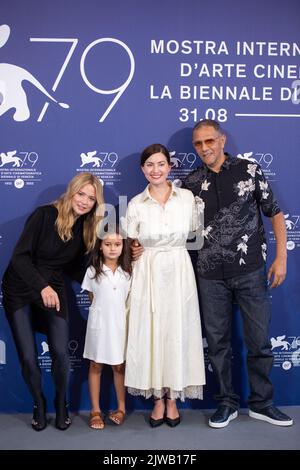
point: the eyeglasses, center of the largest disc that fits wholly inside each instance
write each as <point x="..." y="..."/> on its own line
<point x="207" y="142"/>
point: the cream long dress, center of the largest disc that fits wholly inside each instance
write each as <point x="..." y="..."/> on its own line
<point x="164" y="349"/>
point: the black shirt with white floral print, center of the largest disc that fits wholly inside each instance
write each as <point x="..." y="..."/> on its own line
<point x="233" y="199"/>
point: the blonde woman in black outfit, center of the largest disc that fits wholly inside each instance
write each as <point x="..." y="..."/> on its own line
<point x="53" y="242"/>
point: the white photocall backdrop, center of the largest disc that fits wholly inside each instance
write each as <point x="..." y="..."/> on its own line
<point x="86" y="85"/>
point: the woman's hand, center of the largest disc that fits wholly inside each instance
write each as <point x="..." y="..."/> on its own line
<point x="50" y="298"/>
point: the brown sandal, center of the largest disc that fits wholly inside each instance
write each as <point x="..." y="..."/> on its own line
<point x="117" y="417"/>
<point x="96" y="420"/>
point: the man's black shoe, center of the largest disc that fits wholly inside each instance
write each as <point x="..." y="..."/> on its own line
<point x="222" y="416"/>
<point x="272" y="415"/>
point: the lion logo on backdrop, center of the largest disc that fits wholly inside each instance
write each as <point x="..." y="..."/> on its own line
<point x="2" y="352"/>
<point x="12" y="94"/>
<point x="10" y="157"/>
<point x="90" y="157"/>
<point x="45" y="347"/>
<point x="175" y="162"/>
<point x="289" y="223"/>
<point x="280" y="342"/>
<point x="247" y="156"/>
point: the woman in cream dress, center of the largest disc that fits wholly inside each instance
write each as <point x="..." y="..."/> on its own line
<point x="164" y="352"/>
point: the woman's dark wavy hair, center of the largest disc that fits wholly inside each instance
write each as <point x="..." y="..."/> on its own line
<point x="154" y="148"/>
<point x="97" y="258"/>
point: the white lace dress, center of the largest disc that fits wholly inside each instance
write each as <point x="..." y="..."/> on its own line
<point x="164" y="348"/>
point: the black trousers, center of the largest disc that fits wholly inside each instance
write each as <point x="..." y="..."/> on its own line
<point x="56" y="328"/>
<point x="250" y="291"/>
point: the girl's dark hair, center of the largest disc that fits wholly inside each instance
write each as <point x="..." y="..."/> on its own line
<point x="97" y="258"/>
<point x="154" y="148"/>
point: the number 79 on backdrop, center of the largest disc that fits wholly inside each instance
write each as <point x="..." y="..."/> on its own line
<point x="116" y="91"/>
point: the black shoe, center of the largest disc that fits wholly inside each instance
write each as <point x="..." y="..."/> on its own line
<point x="172" y="422"/>
<point x="272" y="415"/>
<point x="62" y="420"/>
<point x="222" y="416"/>
<point x="39" y="419"/>
<point x="154" y="423"/>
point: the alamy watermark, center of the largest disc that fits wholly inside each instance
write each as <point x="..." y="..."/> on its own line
<point x="185" y="226"/>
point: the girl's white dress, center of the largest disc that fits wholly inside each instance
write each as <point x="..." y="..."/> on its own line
<point x="164" y="348"/>
<point x="105" y="339"/>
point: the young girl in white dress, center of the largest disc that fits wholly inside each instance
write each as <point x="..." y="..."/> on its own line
<point x="108" y="283"/>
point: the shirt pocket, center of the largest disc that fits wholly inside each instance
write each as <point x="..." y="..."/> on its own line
<point x="95" y="318"/>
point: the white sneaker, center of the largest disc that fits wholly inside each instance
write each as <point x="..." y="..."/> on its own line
<point x="271" y="415"/>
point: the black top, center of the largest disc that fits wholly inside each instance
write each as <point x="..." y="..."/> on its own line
<point x="40" y="258"/>
<point x="234" y="237"/>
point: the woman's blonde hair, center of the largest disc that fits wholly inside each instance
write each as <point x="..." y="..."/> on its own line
<point x="66" y="217"/>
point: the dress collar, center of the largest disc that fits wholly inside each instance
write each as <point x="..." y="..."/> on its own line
<point x="106" y="269"/>
<point x="146" y="193"/>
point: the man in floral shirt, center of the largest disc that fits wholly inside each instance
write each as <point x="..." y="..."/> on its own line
<point x="231" y="268"/>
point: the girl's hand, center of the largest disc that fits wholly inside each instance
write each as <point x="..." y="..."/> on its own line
<point x="50" y="298"/>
